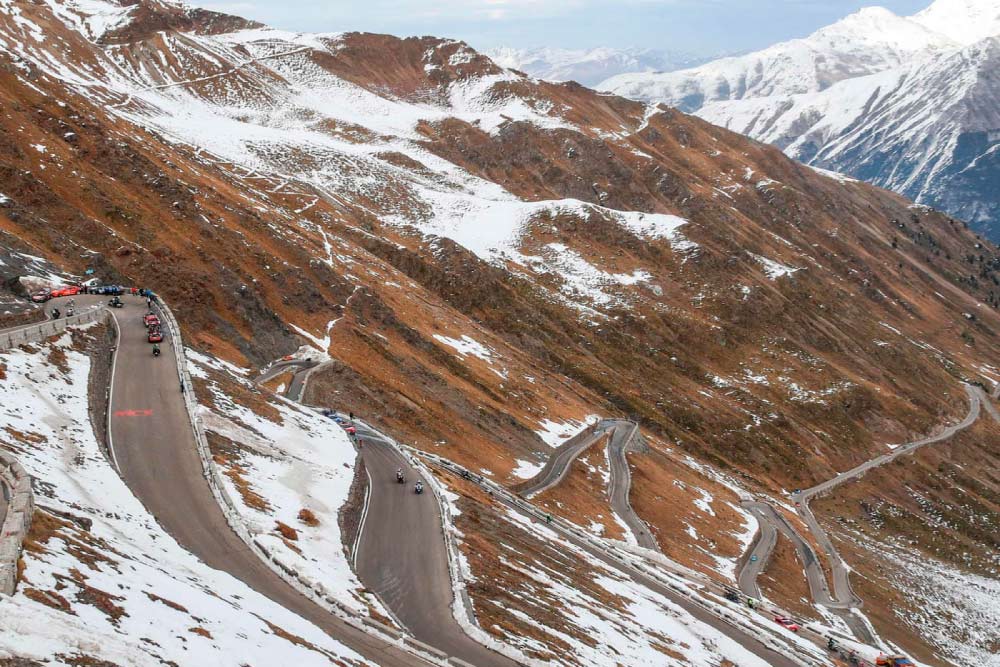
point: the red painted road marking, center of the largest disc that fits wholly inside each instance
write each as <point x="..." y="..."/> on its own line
<point x="133" y="413"/>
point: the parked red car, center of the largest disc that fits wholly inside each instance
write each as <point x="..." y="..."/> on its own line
<point x="787" y="623"/>
<point x="68" y="290"/>
<point x="151" y="320"/>
<point x="154" y="335"/>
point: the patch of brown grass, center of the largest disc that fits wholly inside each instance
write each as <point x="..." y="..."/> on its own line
<point x="49" y="599"/>
<point x="782" y="580"/>
<point x="85" y="548"/>
<point x="80" y="660"/>
<point x="57" y="357"/>
<point x="201" y="632"/>
<point x="307" y="517"/>
<point x="250" y="497"/>
<point x="21" y="436"/>
<point x="19" y="662"/>
<point x="287" y="531"/>
<point x="173" y="605"/>
<point x="44" y="527"/>
<point x="99" y="599"/>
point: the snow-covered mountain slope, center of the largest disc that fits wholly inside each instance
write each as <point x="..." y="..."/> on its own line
<point x="102" y="583"/>
<point x="909" y="104"/>
<point x="488" y="260"/>
<point x="930" y="131"/>
<point x="871" y="40"/>
<point x="589" y="66"/>
<point x="964" y="21"/>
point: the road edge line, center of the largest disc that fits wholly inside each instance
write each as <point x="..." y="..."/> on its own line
<point x="111" y="392"/>
<point x="310" y="591"/>
<point x="364" y="518"/>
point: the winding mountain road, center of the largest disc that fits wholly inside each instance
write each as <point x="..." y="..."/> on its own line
<point x="841" y="574"/>
<point x="559" y="463"/>
<point x="153" y="447"/>
<point x="843" y="599"/>
<point x="401" y="554"/>
<point x="621" y="484"/>
<point x="620" y="434"/>
<point x="737" y="634"/>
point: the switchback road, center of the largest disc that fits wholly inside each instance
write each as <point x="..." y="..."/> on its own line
<point x="843" y="598"/>
<point x="402" y="555"/>
<point x="620" y="434"/>
<point x="841" y="574"/>
<point x="740" y="635"/>
<point x="153" y="446"/>
<point x="559" y="463"/>
<point x="621" y="483"/>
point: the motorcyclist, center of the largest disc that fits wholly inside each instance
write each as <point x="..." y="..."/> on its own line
<point x="156" y="349"/>
<point x="419" y="487"/>
<point x="55" y="313"/>
<point x="399" y="475"/>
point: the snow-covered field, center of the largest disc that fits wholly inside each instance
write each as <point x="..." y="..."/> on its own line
<point x="555" y="433"/>
<point x="613" y="620"/>
<point x="300" y="467"/>
<point x="955" y="610"/>
<point x="103" y="580"/>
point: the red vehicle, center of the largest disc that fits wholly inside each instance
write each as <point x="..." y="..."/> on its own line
<point x="41" y="296"/>
<point x="151" y="320"/>
<point x="68" y="290"/>
<point x="787" y="623"/>
<point x="154" y="335"/>
<point x="351" y="430"/>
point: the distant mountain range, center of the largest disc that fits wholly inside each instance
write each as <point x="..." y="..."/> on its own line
<point x="907" y="103"/>
<point x="590" y="66"/>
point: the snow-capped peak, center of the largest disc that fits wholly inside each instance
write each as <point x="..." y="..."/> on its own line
<point x="877" y="27"/>
<point x="964" y="21"/>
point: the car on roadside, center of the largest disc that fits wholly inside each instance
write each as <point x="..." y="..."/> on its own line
<point x="151" y="320"/>
<point x="41" y="296"/>
<point x="67" y="290"/>
<point x="155" y="336"/>
<point x="787" y="623"/>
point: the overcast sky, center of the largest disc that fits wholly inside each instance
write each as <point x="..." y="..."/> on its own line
<point x="702" y="27"/>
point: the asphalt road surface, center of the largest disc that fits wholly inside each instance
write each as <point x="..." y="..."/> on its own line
<point x="558" y="465"/>
<point x="155" y="451"/>
<point x="621" y="484"/>
<point x="402" y="556"/>
<point x="738" y="635"/>
<point x="756" y="560"/>
<point x="771" y="522"/>
<point x="841" y="575"/>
